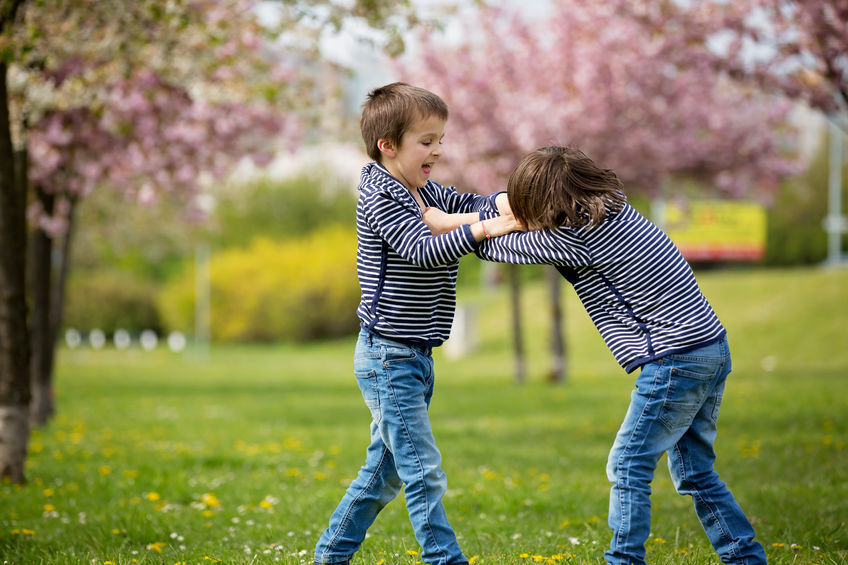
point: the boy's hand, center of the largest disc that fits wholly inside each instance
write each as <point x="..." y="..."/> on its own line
<point x="503" y="225"/>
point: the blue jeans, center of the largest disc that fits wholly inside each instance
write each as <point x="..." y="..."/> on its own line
<point x="396" y="381"/>
<point x="674" y="410"/>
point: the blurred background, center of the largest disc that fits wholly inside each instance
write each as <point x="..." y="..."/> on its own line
<point x="190" y="168"/>
<point x="178" y="279"/>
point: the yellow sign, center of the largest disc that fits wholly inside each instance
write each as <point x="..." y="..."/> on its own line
<point x="717" y="230"/>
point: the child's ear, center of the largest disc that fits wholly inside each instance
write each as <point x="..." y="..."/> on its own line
<point x="387" y="148"/>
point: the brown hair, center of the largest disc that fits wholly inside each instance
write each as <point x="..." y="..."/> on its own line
<point x="390" y="110"/>
<point x="560" y="186"/>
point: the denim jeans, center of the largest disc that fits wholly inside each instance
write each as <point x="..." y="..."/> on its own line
<point x="674" y="409"/>
<point x="396" y="381"/>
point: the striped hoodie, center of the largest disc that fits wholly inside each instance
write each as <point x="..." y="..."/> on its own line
<point x="407" y="276"/>
<point x="638" y="289"/>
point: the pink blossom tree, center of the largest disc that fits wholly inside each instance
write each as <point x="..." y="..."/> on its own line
<point x="798" y="48"/>
<point x="147" y="124"/>
<point x="651" y="106"/>
<point x="140" y="97"/>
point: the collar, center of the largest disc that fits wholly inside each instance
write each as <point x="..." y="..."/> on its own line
<point x="375" y="171"/>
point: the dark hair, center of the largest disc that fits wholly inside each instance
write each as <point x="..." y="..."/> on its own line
<point x="390" y="110"/>
<point x="560" y="186"/>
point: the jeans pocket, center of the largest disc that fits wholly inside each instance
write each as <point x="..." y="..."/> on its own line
<point x="689" y="384"/>
<point x="367" y="381"/>
<point x="396" y="354"/>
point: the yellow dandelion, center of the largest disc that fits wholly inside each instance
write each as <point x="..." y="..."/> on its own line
<point x="795" y="546"/>
<point x="130" y="474"/>
<point x="208" y="513"/>
<point x="778" y="544"/>
<point x="116" y="531"/>
<point x="49" y="508"/>
<point x="48" y="492"/>
<point x="524" y="555"/>
<point x="473" y="559"/>
<point x="381" y="562"/>
<point x="104" y="470"/>
<point x="153" y="496"/>
<point x="538" y="558"/>
<point x="157" y="546"/>
<point x="210" y="500"/>
<point x="411" y="552"/>
<point x="265" y="504"/>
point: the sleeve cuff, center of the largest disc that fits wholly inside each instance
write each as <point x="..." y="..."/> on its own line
<point x="469" y="237"/>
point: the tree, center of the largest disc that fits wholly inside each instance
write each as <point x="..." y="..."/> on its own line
<point x="14" y="346"/>
<point x="651" y="106"/>
<point x="143" y="98"/>
<point x="146" y="123"/>
<point x="798" y="48"/>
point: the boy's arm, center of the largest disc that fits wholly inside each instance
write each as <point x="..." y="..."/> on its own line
<point x="454" y="202"/>
<point x="407" y="234"/>
<point x="553" y="247"/>
<point x="441" y="222"/>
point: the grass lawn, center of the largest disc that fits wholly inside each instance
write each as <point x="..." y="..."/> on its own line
<point x="240" y="457"/>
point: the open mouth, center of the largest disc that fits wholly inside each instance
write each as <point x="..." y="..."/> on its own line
<point x="425" y="168"/>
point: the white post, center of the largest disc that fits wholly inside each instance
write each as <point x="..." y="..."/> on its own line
<point x="202" y="300"/>
<point x="834" y="223"/>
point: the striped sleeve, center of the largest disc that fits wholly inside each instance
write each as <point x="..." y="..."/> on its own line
<point x="405" y="232"/>
<point x="562" y="246"/>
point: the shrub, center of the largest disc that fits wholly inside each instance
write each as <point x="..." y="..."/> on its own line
<point x="298" y="289"/>
<point x="281" y="209"/>
<point x="110" y="300"/>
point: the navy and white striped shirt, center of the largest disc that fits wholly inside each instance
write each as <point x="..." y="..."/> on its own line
<point x="636" y="286"/>
<point x="407" y="275"/>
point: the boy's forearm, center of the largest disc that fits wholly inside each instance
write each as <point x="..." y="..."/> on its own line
<point x="494" y="227"/>
<point x="456" y="220"/>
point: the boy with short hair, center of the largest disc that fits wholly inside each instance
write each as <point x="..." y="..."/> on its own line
<point x="407" y="277"/>
<point x="643" y="297"/>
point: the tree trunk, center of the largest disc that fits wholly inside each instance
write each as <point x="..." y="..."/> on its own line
<point x="14" y="335"/>
<point x="517" y="338"/>
<point x="559" y="365"/>
<point x="56" y="305"/>
<point x="40" y="277"/>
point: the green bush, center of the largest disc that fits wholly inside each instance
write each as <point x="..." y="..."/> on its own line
<point x="110" y="300"/>
<point x="296" y="290"/>
<point x="280" y="209"/>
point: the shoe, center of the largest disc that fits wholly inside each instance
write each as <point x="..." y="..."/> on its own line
<point x="335" y="563"/>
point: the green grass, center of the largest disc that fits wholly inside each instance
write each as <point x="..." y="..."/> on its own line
<point x="242" y="456"/>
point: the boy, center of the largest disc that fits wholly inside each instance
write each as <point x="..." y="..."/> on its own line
<point x="642" y="296"/>
<point x="408" y="281"/>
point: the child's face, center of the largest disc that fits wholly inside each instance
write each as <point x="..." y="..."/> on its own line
<point x="419" y="149"/>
